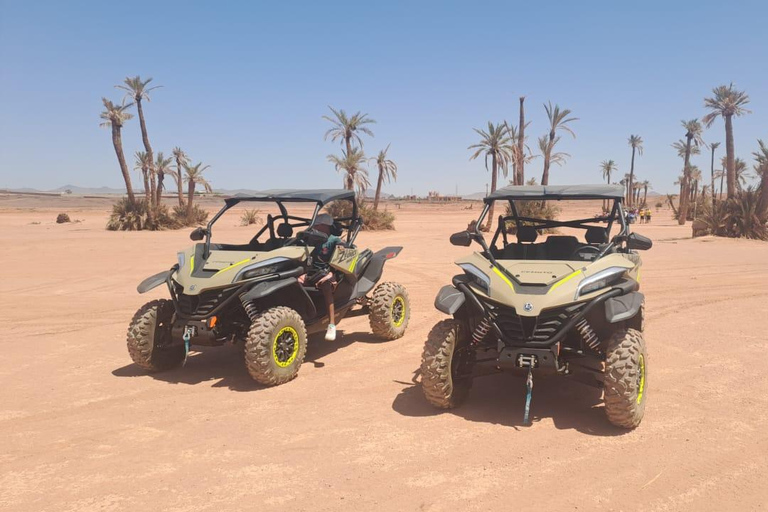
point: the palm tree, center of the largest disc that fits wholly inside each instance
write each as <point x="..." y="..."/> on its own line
<point x="761" y="168"/>
<point x="195" y="177"/>
<point x="558" y="158"/>
<point x="727" y="102"/>
<point x="387" y="170"/>
<point x="693" y="131"/>
<point x="137" y="90"/>
<point x="720" y="174"/>
<point x="645" y="184"/>
<point x="625" y="182"/>
<point x="162" y="167"/>
<point x="636" y="143"/>
<point x="713" y="147"/>
<point x="181" y="159"/>
<point x="740" y="170"/>
<point x="496" y="145"/>
<point x="520" y="164"/>
<point x="346" y="128"/>
<point x="143" y="164"/>
<point x="351" y="164"/>
<point x="115" y="116"/>
<point x="558" y="119"/>
<point x="607" y="167"/>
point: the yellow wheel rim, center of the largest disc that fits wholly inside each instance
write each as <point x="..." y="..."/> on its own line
<point x="641" y="385"/>
<point x="285" y="346"/>
<point x="398" y="311"/>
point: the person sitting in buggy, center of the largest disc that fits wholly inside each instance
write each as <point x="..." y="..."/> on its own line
<point x="319" y="273"/>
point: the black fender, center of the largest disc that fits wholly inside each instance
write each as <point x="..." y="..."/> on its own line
<point x="449" y="300"/>
<point x="623" y="307"/>
<point x="154" y="281"/>
<point x="267" y="288"/>
<point x="374" y="269"/>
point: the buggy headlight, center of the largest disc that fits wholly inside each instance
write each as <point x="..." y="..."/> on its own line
<point x="600" y="280"/>
<point x="478" y="277"/>
<point x="270" y="266"/>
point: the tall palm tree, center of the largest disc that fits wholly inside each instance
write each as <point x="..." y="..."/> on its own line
<point x="727" y="102"/>
<point x="181" y="159"/>
<point x="351" y="164"/>
<point x="761" y="168"/>
<point x="195" y="177"/>
<point x="163" y="166"/>
<point x="496" y="145"/>
<point x="137" y="89"/>
<point x="713" y="146"/>
<point x="546" y="146"/>
<point x="387" y="171"/>
<point x="607" y="167"/>
<point x="636" y="143"/>
<point x="558" y="121"/>
<point x="693" y="132"/>
<point x="520" y="167"/>
<point x="115" y="116"/>
<point x="347" y="128"/>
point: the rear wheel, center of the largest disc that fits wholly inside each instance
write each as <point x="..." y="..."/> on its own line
<point x="440" y="365"/>
<point x="275" y="346"/>
<point x="149" y="337"/>
<point x="390" y="310"/>
<point x="626" y="378"/>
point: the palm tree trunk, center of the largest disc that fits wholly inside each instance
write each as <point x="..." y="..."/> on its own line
<point x="722" y="176"/>
<point x="145" y="174"/>
<point x="152" y="186"/>
<point x="117" y="142"/>
<point x="493" y="189"/>
<point x="684" y="187"/>
<point x="730" y="162"/>
<point x="160" y="179"/>
<point x="645" y="196"/>
<point x="179" y="184"/>
<point x="520" y="175"/>
<point x="378" y="188"/>
<point x="712" y="176"/>
<point x="147" y="148"/>
<point x="190" y="197"/>
<point x="631" y="173"/>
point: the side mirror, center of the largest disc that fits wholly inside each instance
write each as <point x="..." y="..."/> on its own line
<point x="462" y="238"/>
<point x="639" y="242"/>
<point x="198" y="234"/>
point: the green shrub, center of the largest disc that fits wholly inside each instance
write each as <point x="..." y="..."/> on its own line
<point x="737" y="217"/>
<point x="250" y="217"/>
<point x="198" y="217"/>
<point x="125" y="217"/>
<point x="532" y="209"/>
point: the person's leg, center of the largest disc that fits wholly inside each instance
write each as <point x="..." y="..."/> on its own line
<point x="326" y="286"/>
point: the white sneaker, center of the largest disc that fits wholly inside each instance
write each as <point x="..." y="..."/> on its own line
<point x="330" y="334"/>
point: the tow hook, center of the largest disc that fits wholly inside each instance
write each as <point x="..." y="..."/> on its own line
<point x="189" y="331"/>
<point x="530" y="362"/>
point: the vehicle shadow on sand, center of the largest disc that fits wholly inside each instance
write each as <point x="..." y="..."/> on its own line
<point x="500" y="399"/>
<point x="224" y="367"/>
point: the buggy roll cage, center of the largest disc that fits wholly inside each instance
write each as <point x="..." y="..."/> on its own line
<point x="320" y="198"/>
<point x="511" y="194"/>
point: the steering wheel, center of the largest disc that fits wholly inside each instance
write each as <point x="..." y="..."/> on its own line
<point x="585" y="252"/>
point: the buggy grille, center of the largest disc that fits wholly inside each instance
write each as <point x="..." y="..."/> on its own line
<point x="537" y="328"/>
<point x="203" y="304"/>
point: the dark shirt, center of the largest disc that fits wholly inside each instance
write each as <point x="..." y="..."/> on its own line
<point x="321" y="255"/>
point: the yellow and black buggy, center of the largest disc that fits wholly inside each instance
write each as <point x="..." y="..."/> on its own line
<point x="251" y="294"/>
<point x="568" y="305"/>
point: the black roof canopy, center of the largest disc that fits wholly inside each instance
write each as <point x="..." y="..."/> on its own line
<point x="322" y="196"/>
<point x="557" y="192"/>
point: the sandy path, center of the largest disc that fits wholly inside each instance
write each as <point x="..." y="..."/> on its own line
<point x="83" y="429"/>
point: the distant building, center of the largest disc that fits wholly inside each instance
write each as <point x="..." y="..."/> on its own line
<point x="439" y="198"/>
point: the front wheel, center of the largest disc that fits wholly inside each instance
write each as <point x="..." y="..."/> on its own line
<point x="275" y="346"/>
<point x="149" y="337"/>
<point x="390" y="310"/>
<point x="626" y="378"/>
<point x="441" y="365"/>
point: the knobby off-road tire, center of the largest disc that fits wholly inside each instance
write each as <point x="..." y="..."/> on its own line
<point x="275" y="346"/>
<point x="390" y="311"/>
<point x="149" y="331"/>
<point x="437" y="365"/>
<point x="626" y="378"/>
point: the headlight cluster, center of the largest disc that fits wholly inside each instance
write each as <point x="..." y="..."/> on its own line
<point x="600" y="280"/>
<point x="478" y="277"/>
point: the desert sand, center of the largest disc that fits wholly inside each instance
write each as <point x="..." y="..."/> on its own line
<point x="82" y="428"/>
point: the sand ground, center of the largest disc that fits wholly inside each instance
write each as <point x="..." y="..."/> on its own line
<point x="81" y="428"/>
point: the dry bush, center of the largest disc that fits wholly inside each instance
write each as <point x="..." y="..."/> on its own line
<point x="737" y="217"/>
<point x="373" y="220"/>
<point x="198" y="217"/>
<point x="250" y="217"/>
<point x="62" y="218"/>
<point x="125" y="217"/>
<point x="532" y="209"/>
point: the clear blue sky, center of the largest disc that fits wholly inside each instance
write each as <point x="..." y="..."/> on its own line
<point x="246" y="84"/>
